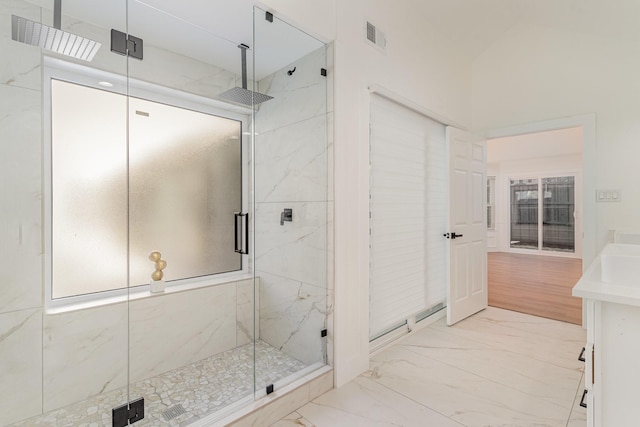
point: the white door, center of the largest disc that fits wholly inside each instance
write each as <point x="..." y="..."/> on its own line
<point x="467" y="233"/>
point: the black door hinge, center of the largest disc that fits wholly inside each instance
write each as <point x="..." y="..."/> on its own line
<point x="323" y="333"/>
<point x="270" y="389"/>
<point x="323" y="72"/>
<point x="126" y="44"/>
<point x="128" y="413"/>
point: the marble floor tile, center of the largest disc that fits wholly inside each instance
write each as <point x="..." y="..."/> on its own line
<point x="578" y="416"/>
<point x="465" y="397"/>
<point x="497" y="368"/>
<point x="539" y="379"/>
<point x="292" y="420"/>
<point x="536" y="325"/>
<point x="364" y="402"/>
<point x="555" y="350"/>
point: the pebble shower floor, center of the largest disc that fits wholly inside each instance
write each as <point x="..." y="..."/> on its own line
<point x="182" y="396"/>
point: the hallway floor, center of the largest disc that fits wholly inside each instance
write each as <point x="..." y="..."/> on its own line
<point x="535" y="284"/>
<point x="497" y="368"/>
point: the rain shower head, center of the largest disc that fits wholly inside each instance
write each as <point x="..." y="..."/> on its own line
<point x="242" y="95"/>
<point x="53" y="38"/>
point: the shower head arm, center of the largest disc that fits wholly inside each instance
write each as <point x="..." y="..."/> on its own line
<point x="57" y="14"/>
<point x="243" y="55"/>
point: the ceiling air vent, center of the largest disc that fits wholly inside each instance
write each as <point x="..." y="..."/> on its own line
<point x="375" y="36"/>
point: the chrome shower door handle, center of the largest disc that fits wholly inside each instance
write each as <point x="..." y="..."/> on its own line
<point x="240" y="231"/>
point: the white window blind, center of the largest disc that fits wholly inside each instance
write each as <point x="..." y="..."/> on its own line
<point x="408" y="208"/>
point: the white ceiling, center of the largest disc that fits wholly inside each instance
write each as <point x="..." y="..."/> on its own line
<point x="473" y="25"/>
<point x="211" y="29"/>
<point x="562" y="142"/>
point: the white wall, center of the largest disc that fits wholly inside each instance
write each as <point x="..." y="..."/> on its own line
<point x="417" y="66"/>
<point x="535" y="74"/>
<point x="420" y="66"/>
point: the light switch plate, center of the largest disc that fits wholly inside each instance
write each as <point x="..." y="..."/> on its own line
<point x="608" y="195"/>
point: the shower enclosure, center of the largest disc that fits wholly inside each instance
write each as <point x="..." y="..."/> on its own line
<point x="165" y="230"/>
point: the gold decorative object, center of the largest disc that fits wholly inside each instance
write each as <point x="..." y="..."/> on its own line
<point x="159" y="264"/>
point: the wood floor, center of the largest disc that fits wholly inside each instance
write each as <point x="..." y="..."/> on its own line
<point x="537" y="285"/>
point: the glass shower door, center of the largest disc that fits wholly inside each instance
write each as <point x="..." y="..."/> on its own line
<point x="191" y="317"/>
<point x="63" y="296"/>
<point x="292" y="201"/>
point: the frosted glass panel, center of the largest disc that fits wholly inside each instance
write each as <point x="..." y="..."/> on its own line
<point x="89" y="218"/>
<point x="185" y="186"/>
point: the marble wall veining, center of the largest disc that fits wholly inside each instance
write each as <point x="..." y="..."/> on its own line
<point x="297" y="97"/>
<point x="89" y="352"/>
<point x="84" y="354"/>
<point x="291" y="168"/>
<point x="21" y="225"/>
<point x="177" y="329"/>
<point x="295" y="250"/>
<point x="247" y="311"/>
<point x="20" y="199"/>
<point x="294" y="160"/>
<point x="20" y="365"/>
<point x="292" y="315"/>
<point x="23" y="68"/>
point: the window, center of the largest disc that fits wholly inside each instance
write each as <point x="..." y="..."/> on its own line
<point x="524" y="213"/>
<point x="491" y="201"/>
<point x="558" y="222"/>
<point x="164" y="178"/>
<point x="554" y="230"/>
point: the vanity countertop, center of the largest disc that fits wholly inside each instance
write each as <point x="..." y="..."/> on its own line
<point x="619" y="288"/>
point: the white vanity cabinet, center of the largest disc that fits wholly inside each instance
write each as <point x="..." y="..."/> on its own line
<point x="611" y="290"/>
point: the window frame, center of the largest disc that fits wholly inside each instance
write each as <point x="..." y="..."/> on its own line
<point x="56" y="69"/>
<point x="578" y="201"/>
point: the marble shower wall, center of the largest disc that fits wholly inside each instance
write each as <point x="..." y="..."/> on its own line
<point x="88" y="352"/>
<point x="292" y="169"/>
<point x="21" y="225"/>
<point x="51" y="360"/>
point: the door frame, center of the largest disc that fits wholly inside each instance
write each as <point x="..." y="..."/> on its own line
<point x="587" y="122"/>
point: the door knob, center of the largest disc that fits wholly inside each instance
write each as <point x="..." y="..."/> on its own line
<point x="452" y="235"/>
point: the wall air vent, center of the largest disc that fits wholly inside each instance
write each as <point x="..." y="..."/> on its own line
<point x="371" y="32"/>
<point x="375" y="36"/>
